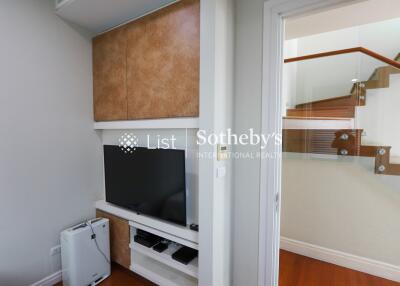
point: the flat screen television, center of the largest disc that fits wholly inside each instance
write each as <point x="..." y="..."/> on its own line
<point x="148" y="181"/>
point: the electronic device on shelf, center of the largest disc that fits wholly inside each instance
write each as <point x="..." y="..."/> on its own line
<point x="146" y="239"/>
<point x="147" y="181"/>
<point x="194" y="227"/>
<point x="185" y="255"/>
<point x="161" y="246"/>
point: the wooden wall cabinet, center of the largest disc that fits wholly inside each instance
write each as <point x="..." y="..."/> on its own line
<point x="149" y="68"/>
<point x="109" y="76"/>
<point x="119" y="239"/>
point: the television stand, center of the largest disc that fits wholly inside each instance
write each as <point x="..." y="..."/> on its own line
<point x="157" y="267"/>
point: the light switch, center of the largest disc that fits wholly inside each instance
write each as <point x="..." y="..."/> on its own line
<point x="222" y="152"/>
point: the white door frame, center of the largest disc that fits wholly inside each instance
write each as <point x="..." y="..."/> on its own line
<point x="275" y="11"/>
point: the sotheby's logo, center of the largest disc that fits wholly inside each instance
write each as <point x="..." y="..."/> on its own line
<point x="128" y="142"/>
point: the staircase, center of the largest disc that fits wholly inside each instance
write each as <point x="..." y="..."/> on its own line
<point x="328" y="113"/>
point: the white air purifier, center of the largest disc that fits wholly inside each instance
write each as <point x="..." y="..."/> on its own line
<point x="85" y="253"/>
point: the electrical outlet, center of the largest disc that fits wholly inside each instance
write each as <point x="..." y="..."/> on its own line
<point x="56" y="250"/>
<point x="221" y="172"/>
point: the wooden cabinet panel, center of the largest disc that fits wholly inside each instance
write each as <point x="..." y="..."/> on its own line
<point x="119" y="239"/>
<point x="163" y="62"/>
<point x="109" y="76"/>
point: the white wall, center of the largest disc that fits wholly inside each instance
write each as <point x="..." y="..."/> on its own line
<point x="379" y="117"/>
<point x="364" y="12"/>
<point x="326" y="77"/>
<point x="50" y="158"/>
<point x="216" y="100"/>
<point x="379" y="37"/>
<point x="342" y="205"/>
<point x="185" y="140"/>
<point x="247" y="114"/>
<point x="224" y="96"/>
<point x="331" y="76"/>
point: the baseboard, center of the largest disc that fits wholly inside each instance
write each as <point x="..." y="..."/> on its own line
<point x="49" y="280"/>
<point x="362" y="264"/>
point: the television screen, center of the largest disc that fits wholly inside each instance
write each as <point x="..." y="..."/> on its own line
<point x="148" y="181"/>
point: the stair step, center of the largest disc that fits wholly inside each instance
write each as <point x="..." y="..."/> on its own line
<point x="321" y="112"/>
<point x="390" y="70"/>
<point x="381" y="77"/>
<point x="341" y="101"/>
<point x="383" y="72"/>
<point x="317" y="123"/>
<point x="375" y="84"/>
<point x="321" y="141"/>
<point x="346" y="142"/>
<point x="393" y="170"/>
<point x="372" y="151"/>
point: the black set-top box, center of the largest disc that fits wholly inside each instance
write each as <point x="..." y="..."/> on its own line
<point x="146" y="239"/>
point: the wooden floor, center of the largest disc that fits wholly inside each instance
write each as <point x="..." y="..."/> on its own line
<point x="296" y="270"/>
<point x="122" y="277"/>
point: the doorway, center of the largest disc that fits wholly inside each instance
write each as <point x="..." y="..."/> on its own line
<point x="327" y="157"/>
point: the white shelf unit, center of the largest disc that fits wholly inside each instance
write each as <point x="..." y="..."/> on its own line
<point x="192" y="269"/>
<point x="167" y="123"/>
<point x="157" y="267"/>
<point x="165" y="235"/>
<point x="185" y="233"/>
<point x="159" y="273"/>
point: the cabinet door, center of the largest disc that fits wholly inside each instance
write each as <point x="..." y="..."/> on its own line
<point x="109" y="76"/>
<point x="163" y="62"/>
<point x="119" y="239"/>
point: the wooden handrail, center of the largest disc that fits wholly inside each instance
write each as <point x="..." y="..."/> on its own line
<point x="346" y="51"/>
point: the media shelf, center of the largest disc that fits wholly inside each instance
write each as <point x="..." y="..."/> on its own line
<point x="158" y="272"/>
<point x="161" y="268"/>
<point x="157" y="267"/>
<point x="192" y="269"/>
<point x="163" y="234"/>
<point x="177" y="231"/>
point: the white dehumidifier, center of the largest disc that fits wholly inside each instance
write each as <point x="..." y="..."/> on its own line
<point x="85" y="253"/>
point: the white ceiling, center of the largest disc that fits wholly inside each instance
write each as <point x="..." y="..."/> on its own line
<point x="97" y="16"/>
<point x="345" y="16"/>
